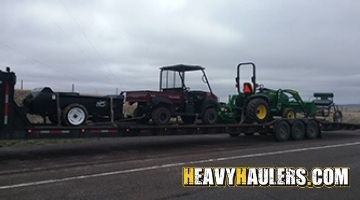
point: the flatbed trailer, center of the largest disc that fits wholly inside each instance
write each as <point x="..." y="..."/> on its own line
<point x="15" y="124"/>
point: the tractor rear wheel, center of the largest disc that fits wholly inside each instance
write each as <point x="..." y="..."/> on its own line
<point x="209" y="116"/>
<point x="257" y="110"/>
<point x="289" y="113"/>
<point x="161" y="115"/>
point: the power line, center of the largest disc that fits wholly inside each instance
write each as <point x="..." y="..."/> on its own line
<point x="23" y="55"/>
<point x="86" y="38"/>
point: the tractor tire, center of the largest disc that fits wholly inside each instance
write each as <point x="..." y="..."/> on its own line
<point x="282" y="130"/>
<point x="209" y="116"/>
<point x="161" y="115"/>
<point x="312" y="129"/>
<point x="257" y="110"/>
<point x="188" y="119"/>
<point x="74" y="115"/>
<point x="337" y="116"/>
<point x="298" y="130"/>
<point x="289" y="113"/>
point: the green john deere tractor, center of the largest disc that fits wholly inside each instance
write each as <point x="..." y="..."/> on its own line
<point x="255" y="103"/>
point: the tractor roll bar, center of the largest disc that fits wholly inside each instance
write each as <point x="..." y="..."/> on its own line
<point x="253" y="78"/>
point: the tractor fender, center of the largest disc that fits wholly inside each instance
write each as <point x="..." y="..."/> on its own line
<point x="156" y="101"/>
<point x="259" y="96"/>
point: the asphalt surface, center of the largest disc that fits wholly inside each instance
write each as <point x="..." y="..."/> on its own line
<point x="150" y="167"/>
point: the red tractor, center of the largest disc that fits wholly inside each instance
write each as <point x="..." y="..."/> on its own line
<point x="175" y="99"/>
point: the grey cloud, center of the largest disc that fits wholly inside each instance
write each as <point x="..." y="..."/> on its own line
<point x="103" y="45"/>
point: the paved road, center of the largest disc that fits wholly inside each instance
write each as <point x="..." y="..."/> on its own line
<point x="150" y="167"/>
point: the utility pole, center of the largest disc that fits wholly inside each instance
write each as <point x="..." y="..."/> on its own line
<point x="22" y="84"/>
<point x="73" y="87"/>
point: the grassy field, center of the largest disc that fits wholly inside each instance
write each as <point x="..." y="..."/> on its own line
<point x="351" y="117"/>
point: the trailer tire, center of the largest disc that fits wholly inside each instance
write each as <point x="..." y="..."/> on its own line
<point x="74" y="115"/>
<point x="161" y="115"/>
<point x="257" y="110"/>
<point x="209" y="116"/>
<point x="312" y="129"/>
<point x="282" y="130"/>
<point x="298" y="130"/>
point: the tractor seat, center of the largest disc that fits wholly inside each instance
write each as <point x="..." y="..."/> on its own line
<point x="247" y="88"/>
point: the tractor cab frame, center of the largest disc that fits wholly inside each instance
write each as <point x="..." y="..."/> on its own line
<point x="175" y="73"/>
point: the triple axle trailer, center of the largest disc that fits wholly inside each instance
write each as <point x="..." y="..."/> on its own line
<point x="108" y="120"/>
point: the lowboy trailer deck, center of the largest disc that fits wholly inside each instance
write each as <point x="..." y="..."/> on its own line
<point x="14" y="123"/>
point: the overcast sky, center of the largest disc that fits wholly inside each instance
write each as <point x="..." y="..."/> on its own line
<point x="99" y="46"/>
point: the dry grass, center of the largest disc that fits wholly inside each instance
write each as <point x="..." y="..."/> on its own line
<point x="20" y="95"/>
<point x="351" y="117"/>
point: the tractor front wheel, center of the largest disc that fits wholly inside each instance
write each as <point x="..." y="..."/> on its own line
<point x="289" y="113"/>
<point x="257" y="110"/>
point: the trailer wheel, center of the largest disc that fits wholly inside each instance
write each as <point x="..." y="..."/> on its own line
<point x="161" y="115"/>
<point x="257" y="110"/>
<point x="209" y="116"/>
<point x="282" y="130"/>
<point x="298" y="130"/>
<point x="75" y="115"/>
<point x="312" y="129"/>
